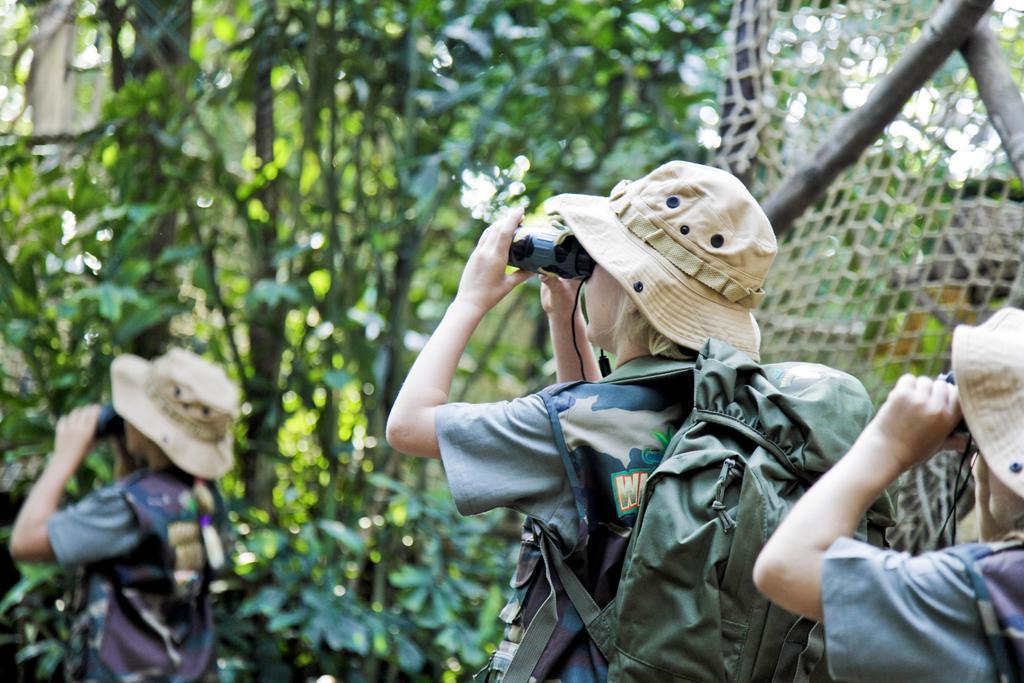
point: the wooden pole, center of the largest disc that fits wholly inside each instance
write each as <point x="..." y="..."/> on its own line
<point x="946" y="31"/>
<point x="998" y="91"/>
<point x="1005" y="108"/>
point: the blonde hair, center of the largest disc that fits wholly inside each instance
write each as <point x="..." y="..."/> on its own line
<point x="631" y="325"/>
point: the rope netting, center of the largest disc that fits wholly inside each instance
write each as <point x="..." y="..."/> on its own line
<point x="922" y="233"/>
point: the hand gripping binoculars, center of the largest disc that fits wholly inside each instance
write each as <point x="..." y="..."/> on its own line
<point x="109" y="423"/>
<point x="550" y="248"/>
<point x="950" y="378"/>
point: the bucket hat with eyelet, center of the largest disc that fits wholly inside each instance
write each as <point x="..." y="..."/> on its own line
<point x="690" y="246"/>
<point x="988" y="362"/>
<point x="184" y="404"/>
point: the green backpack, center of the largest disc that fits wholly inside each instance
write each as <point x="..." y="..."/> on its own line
<point x="686" y="608"/>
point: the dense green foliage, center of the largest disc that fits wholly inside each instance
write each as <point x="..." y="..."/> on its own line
<point x="290" y="188"/>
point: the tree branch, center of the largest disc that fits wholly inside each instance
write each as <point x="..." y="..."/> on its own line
<point x="1002" y="99"/>
<point x="998" y="91"/>
<point x="947" y="30"/>
<point x="210" y="263"/>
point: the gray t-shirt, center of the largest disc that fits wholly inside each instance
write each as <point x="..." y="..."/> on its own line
<point x="98" y="527"/>
<point x="504" y="455"/>
<point x="893" y="617"/>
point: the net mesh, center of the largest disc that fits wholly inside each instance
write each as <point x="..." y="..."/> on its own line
<point x="922" y="233"/>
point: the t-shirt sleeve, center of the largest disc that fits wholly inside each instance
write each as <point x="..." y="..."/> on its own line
<point x="504" y="455"/>
<point x="100" y="526"/>
<point x="893" y="617"/>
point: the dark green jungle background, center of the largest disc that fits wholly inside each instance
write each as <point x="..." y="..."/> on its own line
<point x="291" y="188"/>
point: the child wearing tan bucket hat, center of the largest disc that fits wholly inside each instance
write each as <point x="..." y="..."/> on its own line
<point x="955" y="614"/>
<point x="682" y="255"/>
<point x="150" y="542"/>
<point x="183" y="404"/>
<point x="687" y="243"/>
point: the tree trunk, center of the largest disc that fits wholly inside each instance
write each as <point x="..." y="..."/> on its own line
<point x="163" y="31"/>
<point x="266" y="328"/>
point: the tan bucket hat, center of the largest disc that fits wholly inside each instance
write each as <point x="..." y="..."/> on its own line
<point x="690" y="245"/>
<point x="185" y="404"/>
<point x="988" y="362"/>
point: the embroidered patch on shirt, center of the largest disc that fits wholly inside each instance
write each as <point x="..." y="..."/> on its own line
<point x="628" y="487"/>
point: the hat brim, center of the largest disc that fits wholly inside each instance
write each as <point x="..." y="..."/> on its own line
<point x="203" y="459"/>
<point x="993" y="417"/>
<point x="683" y="309"/>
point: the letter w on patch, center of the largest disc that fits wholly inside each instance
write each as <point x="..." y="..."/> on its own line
<point x="628" y="487"/>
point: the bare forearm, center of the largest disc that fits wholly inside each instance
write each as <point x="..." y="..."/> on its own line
<point x="411" y="423"/>
<point x="789" y="568"/>
<point x="567" y="363"/>
<point x="30" y="541"/>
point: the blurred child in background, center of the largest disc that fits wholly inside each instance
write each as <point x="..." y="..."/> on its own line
<point x="148" y="543"/>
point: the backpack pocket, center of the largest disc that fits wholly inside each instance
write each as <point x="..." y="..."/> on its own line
<point x="679" y="557"/>
<point x="525" y="583"/>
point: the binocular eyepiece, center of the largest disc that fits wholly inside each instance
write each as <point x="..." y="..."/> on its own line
<point x="109" y="423"/>
<point x="550" y="249"/>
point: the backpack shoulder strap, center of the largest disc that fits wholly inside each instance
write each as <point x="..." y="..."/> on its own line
<point x="970" y="554"/>
<point x="599" y="623"/>
<point x="539" y="631"/>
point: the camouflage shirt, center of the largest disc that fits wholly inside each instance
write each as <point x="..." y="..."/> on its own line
<point x="574" y="459"/>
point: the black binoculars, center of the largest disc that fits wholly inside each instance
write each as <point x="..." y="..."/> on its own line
<point x="109" y="423"/>
<point x="551" y="249"/>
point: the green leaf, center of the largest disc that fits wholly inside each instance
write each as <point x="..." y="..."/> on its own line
<point x="143" y="319"/>
<point x="272" y="293"/>
<point x="410" y="656"/>
<point x="346" y="536"/>
<point x="337" y="379"/>
<point x="320" y="281"/>
<point x="224" y="29"/>
<point x="286" y="620"/>
<point x="110" y="303"/>
<point x="32" y="576"/>
<point x="43" y="647"/>
<point x="410" y="577"/>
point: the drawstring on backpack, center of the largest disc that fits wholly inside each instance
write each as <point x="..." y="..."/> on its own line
<point x="730" y="469"/>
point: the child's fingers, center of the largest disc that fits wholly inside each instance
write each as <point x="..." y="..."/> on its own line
<point x="953" y="401"/>
<point x="923" y="389"/>
<point x="506" y="227"/>
<point x="518" y="277"/>
<point x="485" y="238"/>
<point x="938" y="397"/>
<point x="905" y="383"/>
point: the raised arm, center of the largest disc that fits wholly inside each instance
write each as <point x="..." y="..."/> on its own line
<point x="558" y="298"/>
<point x="30" y="540"/>
<point x="484" y="283"/>
<point x="912" y="424"/>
